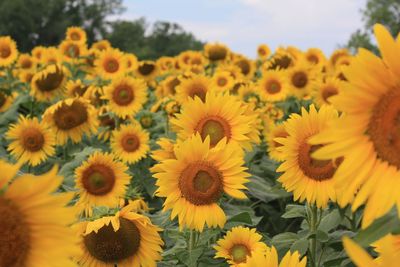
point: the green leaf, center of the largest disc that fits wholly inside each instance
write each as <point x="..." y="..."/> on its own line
<point x="294" y="211"/>
<point x="300" y="245"/>
<point x="284" y="240"/>
<point x="330" y="221"/>
<point x="263" y="190"/>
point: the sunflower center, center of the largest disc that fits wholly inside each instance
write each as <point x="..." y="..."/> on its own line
<point x="244" y="66"/>
<point x="318" y="170"/>
<point x="281" y="63"/>
<point x="328" y="92"/>
<point x="51" y="81"/>
<point x="75" y="36"/>
<point x="98" y="179"/>
<point x="33" y="140"/>
<point x="299" y="79"/>
<point x="262" y="52"/>
<point x="111" y="65"/>
<point x="5" y="51"/>
<point x="239" y="253"/>
<point x="222" y="81"/>
<point x="215" y="127"/>
<point x="146" y="68"/>
<point x="273" y="87"/>
<point x="384" y="128"/>
<point x="68" y="117"/>
<point x="313" y="59"/>
<point x="130" y="142"/>
<point x="199" y="91"/>
<point x="2" y="99"/>
<point x="201" y="183"/>
<point x="123" y="95"/>
<point x="217" y="53"/>
<point x="26" y="64"/>
<point x="107" y="121"/>
<point x="14" y="235"/>
<point x="173" y="84"/>
<point x="72" y="51"/>
<point x="112" y="246"/>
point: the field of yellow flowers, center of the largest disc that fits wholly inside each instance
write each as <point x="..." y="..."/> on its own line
<point x="208" y="158"/>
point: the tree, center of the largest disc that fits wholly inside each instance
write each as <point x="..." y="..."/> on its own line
<point x="386" y="12"/>
<point x="164" y="38"/>
<point x="43" y="22"/>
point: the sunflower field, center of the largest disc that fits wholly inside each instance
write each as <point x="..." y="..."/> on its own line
<point x="207" y="158"/>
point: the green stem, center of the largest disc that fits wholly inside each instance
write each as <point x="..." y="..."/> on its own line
<point x="313" y="229"/>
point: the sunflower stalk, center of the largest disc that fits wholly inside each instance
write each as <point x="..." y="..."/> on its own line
<point x="313" y="226"/>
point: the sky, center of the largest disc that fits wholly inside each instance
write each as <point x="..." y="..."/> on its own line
<point x="244" y="24"/>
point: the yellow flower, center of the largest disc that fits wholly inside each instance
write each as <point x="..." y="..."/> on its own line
<point x="216" y="52"/>
<point x="126" y="239"/>
<point x="72" y="51"/>
<point x="76" y="88"/>
<point x="32" y="141"/>
<point x="239" y="243"/>
<point x="8" y="51"/>
<point x="167" y="87"/>
<point x="147" y="70"/>
<point x="189" y="88"/>
<point x="194" y="181"/>
<point x="110" y="64"/>
<point x="315" y="56"/>
<point x="35" y="222"/>
<point x="101" y="181"/>
<point x="49" y="83"/>
<point x="263" y="52"/>
<point x="302" y="79"/>
<point x="272" y="132"/>
<point x="26" y="62"/>
<point x="101" y="45"/>
<point x="222" y="81"/>
<point x="326" y="89"/>
<point x="76" y="34"/>
<point x="247" y="66"/>
<point x="270" y="259"/>
<point x="273" y="86"/>
<point x="6" y="101"/>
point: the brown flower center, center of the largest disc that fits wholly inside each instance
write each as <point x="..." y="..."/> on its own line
<point x="98" y="179"/>
<point x="198" y="90"/>
<point x="299" y="79"/>
<point x="130" y="142"/>
<point x="112" y="246"/>
<point x="261" y="51"/>
<point x="313" y="58"/>
<point x="318" y="170"/>
<point x="173" y="84"/>
<point x="68" y="117"/>
<point x="5" y="51"/>
<point x="273" y="87"/>
<point x="3" y="99"/>
<point x="217" y="53"/>
<point x="239" y="253"/>
<point x="26" y="63"/>
<point x="201" y="183"/>
<point x="15" y="236"/>
<point x="123" y="94"/>
<point x="146" y="69"/>
<point x="215" y="127"/>
<point x="283" y="62"/>
<point x="384" y="128"/>
<point x="107" y="121"/>
<point x="75" y="36"/>
<point x="244" y="66"/>
<point x="32" y="139"/>
<point x="111" y="65"/>
<point x="72" y="51"/>
<point x="222" y="81"/>
<point x="51" y="81"/>
<point x="327" y="92"/>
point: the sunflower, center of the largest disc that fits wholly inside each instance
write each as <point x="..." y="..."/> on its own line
<point x="110" y="64"/>
<point x="51" y="55"/>
<point x="101" y="181"/>
<point x="307" y="178"/>
<point x="76" y="34"/>
<point x="31" y="141"/>
<point x="216" y="52"/>
<point x="126" y="96"/>
<point x="34" y="221"/>
<point x="130" y="143"/>
<point x="222" y="81"/>
<point x="220" y="116"/>
<point x="8" y="51"/>
<point x="315" y="56"/>
<point x="71" y="118"/>
<point x="126" y="239"/>
<point x="239" y="243"/>
<point x="101" y="45"/>
<point x="269" y="258"/>
<point x="263" y="52"/>
<point x="76" y="88"/>
<point x="166" y="150"/>
<point x="280" y="61"/>
<point x="337" y="54"/>
<point x="147" y="70"/>
<point x="367" y="136"/>
<point x="247" y="66"/>
<point x="131" y="62"/>
<point x="166" y="64"/>
<point x="38" y="51"/>
<point x="167" y="87"/>
<point x="107" y="124"/>
<point x="324" y="90"/>
<point x="249" y="93"/>
<point x="273" y="86"/>
<point x="194" y="181"/>
<point x="72" y="51"/>
<point x="26" y="62"/>
<point x="189" y="88"/>
<point x="273" y="131"/>
<point x="302" y="79"/>
<point x="388" y="249"/>
<point x="49" y="83"/>
<point x="6" y="101"/>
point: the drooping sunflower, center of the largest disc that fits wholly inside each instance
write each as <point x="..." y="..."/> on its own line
<point x="110" y="64"/>
<point x="302" y="79"/>
<point x="273" y="131"/>
<point x="270" y="259"/>
<point x="263" y="51"/>
<point x="239" y="243"/>
<point x="8" y="51"/>
<point x="367" y="136"/>
<point x="71" y="118"/>
<point x="189" y="88"/>
<point x="126" y="96"/>
<point x="222" y="81"/>
<point x="49" y="83"/>
<point x="101" y="181"/>
<point x="273" y="86"/>
<point x="147" y="70"/>
<point x="130" y="143"/>
<point x="326" y="89"/>
<point x="167" y="87"/>
<point x="34" y="220"/>
<point x="193" y="182"/>
<point x="76" y="34"/>
<point x="32" y="141"/>
<point x="220" y="116"/>
<point x="216" y="52"/>
<point x="76" y="88"/>
<point x="307" y="178"/>
<point x="279" y="61"/>
<point x="127" y="239"/>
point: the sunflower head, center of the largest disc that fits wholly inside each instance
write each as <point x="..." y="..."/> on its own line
<point x="273" y="86"/>
<point x="76" y="34"/>
<point x="72" y="51"/>
<point x="49" y="83"/>
<point x="110" y="63"/>
<point x="191" y="87"/>
<point x="26" y="62"/>
<point x="8" y="51"/>
<point x="147" y="70"/>
<point x="101" y="45"/>
<point x="263" y="51"/>
<point x="216" y="52"/>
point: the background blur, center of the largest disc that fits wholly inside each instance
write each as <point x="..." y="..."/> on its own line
<point x="153" y="28"/>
